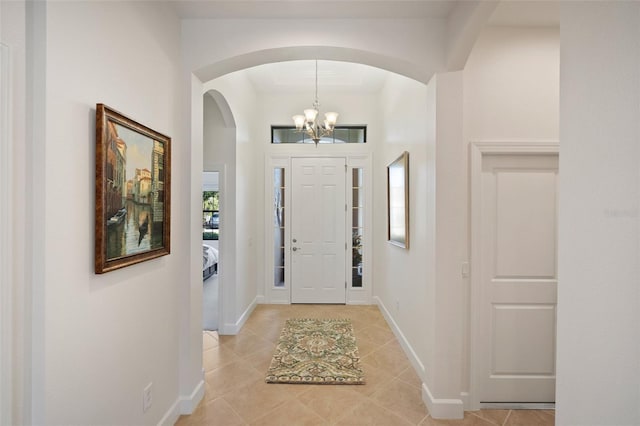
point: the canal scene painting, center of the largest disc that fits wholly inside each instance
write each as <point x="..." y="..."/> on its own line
<point x="132" y="191"/>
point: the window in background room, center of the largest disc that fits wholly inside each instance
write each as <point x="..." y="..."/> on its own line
<point x="210" y="215"/>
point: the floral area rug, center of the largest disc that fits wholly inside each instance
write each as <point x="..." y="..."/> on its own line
<point x="316" y="351"/>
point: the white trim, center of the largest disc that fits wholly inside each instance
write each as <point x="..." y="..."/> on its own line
<point x="361" y="295"/>
<point x="272" y="294"/>
<point x="440" y="408"/>
<point x="6" y="242"/>
<point x="188" y="404"/>
<point x="466" y="400"/>
<point x="516" y="146"/>
<point x="364" y="160"/>
<point x="221" y="169"/>
<point x="231" y="329"/>
<point x="183" y="405"/>
<point x="171" y="416"/>
<point x="404" y="343"/>
<point x="476" y="150"/>
<point x="518" y="406"/>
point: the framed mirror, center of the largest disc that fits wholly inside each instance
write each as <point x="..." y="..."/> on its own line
<point x="398" y="201"/>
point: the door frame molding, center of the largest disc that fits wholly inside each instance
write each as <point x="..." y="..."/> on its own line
<point x="478" y="149"/>
<point x="354" y="159"/>
<point x="223" y="248"/>
<point x="6" y="242"/>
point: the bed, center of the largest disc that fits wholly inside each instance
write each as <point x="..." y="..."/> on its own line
<point x="209" y="261"/>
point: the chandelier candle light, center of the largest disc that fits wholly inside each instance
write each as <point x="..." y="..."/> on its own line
<point x="308" y="122"/>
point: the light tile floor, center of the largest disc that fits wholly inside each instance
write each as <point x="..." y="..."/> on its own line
<point x="236" y="394"/>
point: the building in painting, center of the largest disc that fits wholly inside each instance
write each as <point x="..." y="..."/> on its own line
<point x="142" y="186"/>
<point x="116" y="165"/>
<point x="157" y="185"/>
<point x="130" y="189"/>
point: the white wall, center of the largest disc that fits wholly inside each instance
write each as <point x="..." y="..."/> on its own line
<point x="599" y="256"/>
<point x="219" y="151"/>
<point x="404" y="280"/>
<point x="412" y="47"/>
<point x="239" y="280"/>
<point x="107" y="336"/>
<point x="451" y="238"/>
<point x="511" y="82"/>
<point x="13" y="37"/>
<point x="510" y="93"/>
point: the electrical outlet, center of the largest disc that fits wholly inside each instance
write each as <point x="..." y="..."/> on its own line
<point x="147" y="397"/>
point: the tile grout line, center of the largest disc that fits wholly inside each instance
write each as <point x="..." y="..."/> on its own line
<point x="234" y="410"/>
<point x="506" y="418"/>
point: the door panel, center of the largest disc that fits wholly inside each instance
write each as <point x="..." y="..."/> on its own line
<point x="318" y="233"/>
<point x="518" y="278"/>
<point x="525" y="226"/>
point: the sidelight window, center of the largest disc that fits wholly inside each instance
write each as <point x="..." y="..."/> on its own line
<point x="278" y="226"/>
<point x="357" y="226"/>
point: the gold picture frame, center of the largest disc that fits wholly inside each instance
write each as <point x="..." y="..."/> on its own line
<point x="133" y="192"/>
<point x="398" y="201"/>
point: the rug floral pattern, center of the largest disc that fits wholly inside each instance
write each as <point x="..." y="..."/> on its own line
<point x="316" y="351"/>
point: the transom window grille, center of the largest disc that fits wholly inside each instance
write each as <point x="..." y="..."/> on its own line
<point x="341" y="134"/>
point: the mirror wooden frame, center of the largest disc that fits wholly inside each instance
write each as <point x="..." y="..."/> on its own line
<point x="398" y="201"/>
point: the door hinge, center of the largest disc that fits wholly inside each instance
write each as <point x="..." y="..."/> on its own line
<point x="345" y="246"/>
<point x="345" y="284"/>
<point x="345" y="207"/>
<point x="345" y="168"/>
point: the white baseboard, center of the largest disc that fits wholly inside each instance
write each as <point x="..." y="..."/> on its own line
<point x="466" y="401"/>
<point x="404" y="343"/>
<point x="183" y="405"/>
<point x="440" y="408"/>
<point x="171" y="417"/>
<point x="232" y="329"/>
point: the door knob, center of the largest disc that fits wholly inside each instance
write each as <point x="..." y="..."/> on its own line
<point x="294" y="248"/>
<point x="295" y="241"/>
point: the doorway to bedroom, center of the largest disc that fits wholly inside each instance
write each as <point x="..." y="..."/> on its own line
<point x="210" y="250"/>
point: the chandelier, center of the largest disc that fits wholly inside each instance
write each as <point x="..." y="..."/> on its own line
<point x="309" y="123"/>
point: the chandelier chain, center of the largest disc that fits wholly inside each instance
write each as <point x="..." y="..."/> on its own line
<point x="310" y="123"/>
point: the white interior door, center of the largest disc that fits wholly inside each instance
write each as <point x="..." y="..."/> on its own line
<point x="318" y="241"/>
<point x="518" y="278"/>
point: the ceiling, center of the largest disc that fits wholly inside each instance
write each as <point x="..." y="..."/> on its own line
<point x="296" y="76"/>
<point x="536" y="13"/>
<point x="280" y="9"/>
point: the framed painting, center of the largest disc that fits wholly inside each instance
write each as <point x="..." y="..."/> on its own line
<point x="398" y="201"/>
<point x="133" y="192"/>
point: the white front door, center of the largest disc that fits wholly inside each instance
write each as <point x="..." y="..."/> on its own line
<point x="318" y="235"/>
<point x="518" y="278"/>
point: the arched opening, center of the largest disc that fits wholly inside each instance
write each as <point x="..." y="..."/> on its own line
<point x="246" y="162"/>
<point x="241" y="107"/>
<point x="219" y="233"/>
